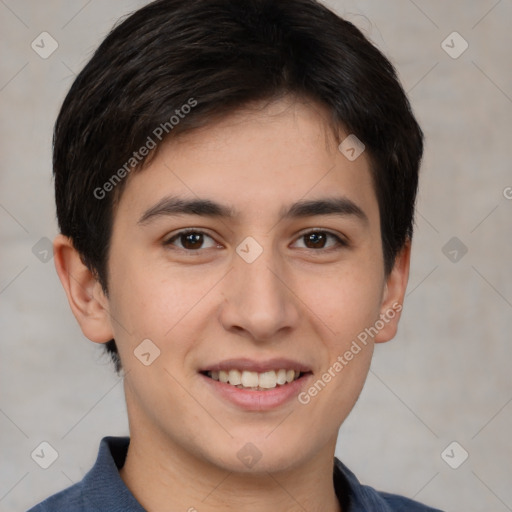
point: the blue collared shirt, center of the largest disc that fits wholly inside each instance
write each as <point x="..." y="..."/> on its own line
<point x="103" y="490"/>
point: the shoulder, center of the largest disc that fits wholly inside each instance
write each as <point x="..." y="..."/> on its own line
<point x="397" y="503"/>
<point x="101" y="488"/>
<point x="360" y="498"/>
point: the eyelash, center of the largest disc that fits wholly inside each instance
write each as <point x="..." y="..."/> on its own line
<point x="340" y="242"/>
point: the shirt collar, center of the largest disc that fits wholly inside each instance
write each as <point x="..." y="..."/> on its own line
<point x="103" y="486"/>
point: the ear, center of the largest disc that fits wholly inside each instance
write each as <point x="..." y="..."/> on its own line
<point x="85" y="295"/>
<point x="393" y="295"/>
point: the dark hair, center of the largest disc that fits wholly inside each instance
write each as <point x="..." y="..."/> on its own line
<point x="217" y="56"/>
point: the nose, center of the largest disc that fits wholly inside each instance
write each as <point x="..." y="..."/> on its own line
<point x="258" y="300"/>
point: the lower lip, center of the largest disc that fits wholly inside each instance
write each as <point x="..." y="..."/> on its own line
<point x="257" y="400"/>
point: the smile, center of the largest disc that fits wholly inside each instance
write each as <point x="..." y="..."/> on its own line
<point x="256" y="381"/>
<point x="256" y="385"/>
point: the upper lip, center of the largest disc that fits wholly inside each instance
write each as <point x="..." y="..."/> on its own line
<point x="252" y="365"/>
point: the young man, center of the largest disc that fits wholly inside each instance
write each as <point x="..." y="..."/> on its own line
<point x="235" y="186"/>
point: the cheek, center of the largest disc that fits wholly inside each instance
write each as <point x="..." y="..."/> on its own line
<point x="350" y="302"/>
<point x="143" y="307"/>
<point x="155" y="303"/>
<point x="345" y="300"/>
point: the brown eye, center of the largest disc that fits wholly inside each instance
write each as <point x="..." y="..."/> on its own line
<point x="320" y="240"/>
<point x="315" y="240"/>
<point x="192" y="240"/>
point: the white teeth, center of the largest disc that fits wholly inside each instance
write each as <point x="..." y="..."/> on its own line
<point x="281" y="377"/>
<point x="268" y="380"/>
<point x="254" y="380"/>
<point x="235" y="377"/>
<point x="249" y="379"/>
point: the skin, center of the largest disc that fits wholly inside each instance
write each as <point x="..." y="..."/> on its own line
<point x="203" y="306"/>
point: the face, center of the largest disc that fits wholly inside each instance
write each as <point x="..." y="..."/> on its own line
<point x="248" y="252"/>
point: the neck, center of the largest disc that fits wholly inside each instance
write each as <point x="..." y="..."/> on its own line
<point x="157" y="471"/>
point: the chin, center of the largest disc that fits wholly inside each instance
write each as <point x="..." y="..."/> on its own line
<point x="255" y="454"/>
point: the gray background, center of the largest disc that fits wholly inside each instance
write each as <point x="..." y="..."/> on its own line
<point x="447" y="375"/>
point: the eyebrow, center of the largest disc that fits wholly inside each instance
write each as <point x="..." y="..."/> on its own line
<point x="172" y="206"/>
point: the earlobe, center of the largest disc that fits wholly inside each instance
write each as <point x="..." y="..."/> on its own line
<point x="85" y="295"/>
<point x="393" y="296"/>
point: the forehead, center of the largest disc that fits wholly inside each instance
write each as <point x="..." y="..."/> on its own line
<point x="255" y="161"/>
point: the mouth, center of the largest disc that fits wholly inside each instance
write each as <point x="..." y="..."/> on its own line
<point x="254" y="385"/>
<point x="254" y="380"/>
